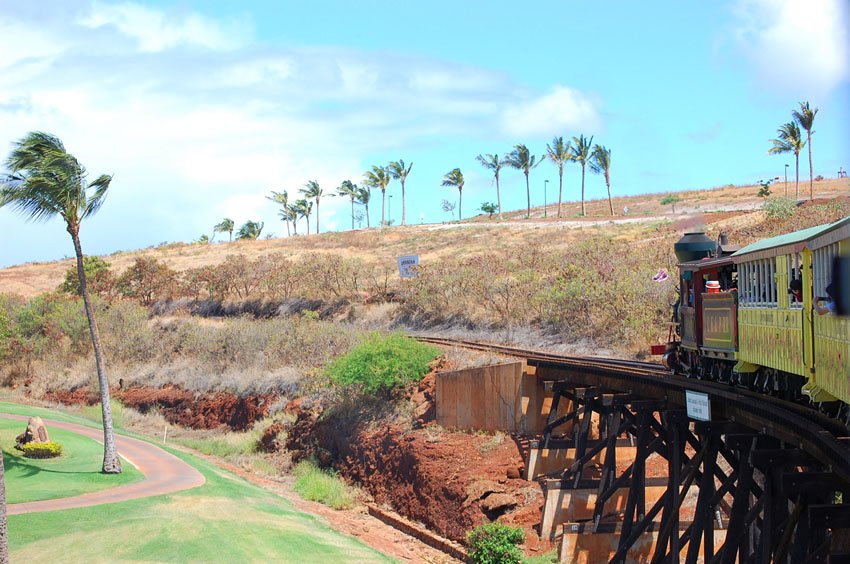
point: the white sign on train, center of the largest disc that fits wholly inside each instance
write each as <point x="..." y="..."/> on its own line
<point x="406" y="266"/>
<point x="698" y="405"/>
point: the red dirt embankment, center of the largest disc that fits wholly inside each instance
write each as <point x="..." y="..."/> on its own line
<point x="181" y="407"/>
<point x="448" y="481"/>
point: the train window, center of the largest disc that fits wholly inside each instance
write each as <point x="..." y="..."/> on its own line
<point x="795" y="266"/>
<point x="758" y="283"/>
<point x="822" y="268"/>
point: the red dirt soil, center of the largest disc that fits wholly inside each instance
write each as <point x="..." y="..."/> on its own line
<point x="181" y="407"/>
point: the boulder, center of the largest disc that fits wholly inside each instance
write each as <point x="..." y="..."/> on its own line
<point x="36" y="433"/>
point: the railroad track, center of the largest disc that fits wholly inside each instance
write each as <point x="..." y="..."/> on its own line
<point x="824" y="438"/>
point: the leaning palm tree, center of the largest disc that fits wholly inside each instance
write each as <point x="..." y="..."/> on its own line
<point x="348" y="189"/>
<point x="559" y="153"/>
<point x="806" y="118"/>
<point x="581" y="155"/>
<point x="522" y="159"/>
<point x="226" y="226"/>
<point x="378" y="178"/>
<point x="282" y="199"/>
<point x="600" y="163"/>
<point x="364" y="195"/>
<point x="250" y="230"/>
<point x="47" y="181"/>
<point x="312" y="190"/>
<point x="494" y="163"/>
<point x="789" y="140"/>
<point x="455" y="178"/>
<point x="399" y="171"/>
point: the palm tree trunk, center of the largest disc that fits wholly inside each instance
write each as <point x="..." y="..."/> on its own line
<point x="307" y="219"/>
<point x="288" y="233"/>
<point x="111" y="462"/>
<point x="560" y="188"/>
<point x="352" y="213"/>
<point x="528" y="196"/>
<point x="295" y="227"/>
<point x="368" y="222"/>
<point x="811" y="170"/>
<point x="459" y="204"/>
<point x="498" y="196"/>
<point x="383" y="206"/>
<point x="402" y="204"/>
<point x="317" y="216"/>
<point x="797" y="182"/>
<point x="610" y="203"/>
<point x="583" y="214"/>
<point x="231" y="235"/>
<point x="4" y="536"/>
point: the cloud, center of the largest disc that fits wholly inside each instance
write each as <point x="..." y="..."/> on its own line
<point x="197" y="122"/>
<point x="562" y="109"/>
<point x="157" y="31"/>
<point x="796" y="44"/>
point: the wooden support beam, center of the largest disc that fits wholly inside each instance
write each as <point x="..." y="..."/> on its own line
<point x="829" y="516"/>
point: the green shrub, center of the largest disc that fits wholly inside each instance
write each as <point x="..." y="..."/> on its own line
<point x="315" y="484"/>
<point x="495" y="543"/>
<point x="49" y="449"/>
<point x="382" y="363"/>
<point x="779" y="208"/>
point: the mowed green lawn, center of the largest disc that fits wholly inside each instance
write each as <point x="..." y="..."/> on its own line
<point x="225" y="520"/>
<point x="76" y="472"/>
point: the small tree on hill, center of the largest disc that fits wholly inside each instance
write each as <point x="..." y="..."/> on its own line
<point x="448" y="207"/>
<point x="98" y="276"/>
<point x="226" y="226"/>
<point x="489" y="208"/>
<point x="671" y="200"/>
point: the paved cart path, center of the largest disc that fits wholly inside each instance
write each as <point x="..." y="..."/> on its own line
<point x="163" y="473"/>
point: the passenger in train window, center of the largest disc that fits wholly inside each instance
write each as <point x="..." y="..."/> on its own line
<point x="828" y="302"/>
<point x="796" y="290"/>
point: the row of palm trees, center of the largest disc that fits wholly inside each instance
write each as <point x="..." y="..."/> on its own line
<point x="560" y="153"/>
<point x="790" y="140"/>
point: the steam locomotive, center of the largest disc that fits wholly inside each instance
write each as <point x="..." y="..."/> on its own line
<point x="761" y="317"/>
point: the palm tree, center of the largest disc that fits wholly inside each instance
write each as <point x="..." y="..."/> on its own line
<point x="302" y="209"/>
<point x="226" y="226"/>
<point x="522" y="159"/>
<point x="398" y="171"/>
<point x="312" y="190"/>
<point x="789" y="141"/>
<point x="581" y="154"/>
<point x="455" y="178"/>
<point x="47" y="181"/>
<point x="379" y="178"/>
<point x="349" y="189"/>
<point x="282" y="199"/>
<point x="560" y="154"/>
<point x="363" y="197"/>
<point x="495" y="163"/>
<point x="250" y="230"/>
<point x="600" y="163"/>
<point x="806" y="118"/>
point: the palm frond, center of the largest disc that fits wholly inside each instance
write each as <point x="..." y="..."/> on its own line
<point x="96" y="199"/>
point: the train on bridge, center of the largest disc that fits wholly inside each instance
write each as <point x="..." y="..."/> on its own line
<point x="762" y="316"/>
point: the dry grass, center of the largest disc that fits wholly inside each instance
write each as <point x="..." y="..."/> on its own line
<point x="434" y="242"/>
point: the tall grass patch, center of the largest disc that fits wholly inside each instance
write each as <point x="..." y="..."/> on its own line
<point x="382" y="364"/>
<point x="326" y="487"/>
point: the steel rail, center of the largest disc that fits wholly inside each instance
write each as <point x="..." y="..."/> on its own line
<point x="824" y="438"/>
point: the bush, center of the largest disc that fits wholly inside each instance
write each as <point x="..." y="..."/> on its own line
<point x="315" y="484"/>
<point x="49" y="449"/>
<point x="99" y="279"/>
<point x="495" y="543"/>
<point x="382" y="364"/>
<point x="779" y="208"/>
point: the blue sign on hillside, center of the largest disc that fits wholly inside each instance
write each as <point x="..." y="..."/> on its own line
<point x="406" y="266"/>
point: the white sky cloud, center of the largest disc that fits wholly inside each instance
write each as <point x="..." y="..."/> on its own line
<point x="796" y="43"/>
<point x="562" y="109"/>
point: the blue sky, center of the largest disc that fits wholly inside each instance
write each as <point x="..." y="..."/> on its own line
<point x="200" y="109"/>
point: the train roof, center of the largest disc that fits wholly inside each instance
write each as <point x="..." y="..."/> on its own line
<point x="812" y="238"/>
<point x="706" y="263"/>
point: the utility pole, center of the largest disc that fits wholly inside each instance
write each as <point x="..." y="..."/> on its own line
<point x="545" y="184"/>
<point x="786" y="180"/>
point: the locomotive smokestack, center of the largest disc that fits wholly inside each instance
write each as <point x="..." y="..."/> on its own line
<point x="724" y="238"/>
<point x="694" y="246"/>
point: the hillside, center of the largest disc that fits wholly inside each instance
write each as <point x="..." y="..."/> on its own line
<point x="435" y="242"/>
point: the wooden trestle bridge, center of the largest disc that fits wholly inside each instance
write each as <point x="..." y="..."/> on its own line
<point x="628" y="476"/>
